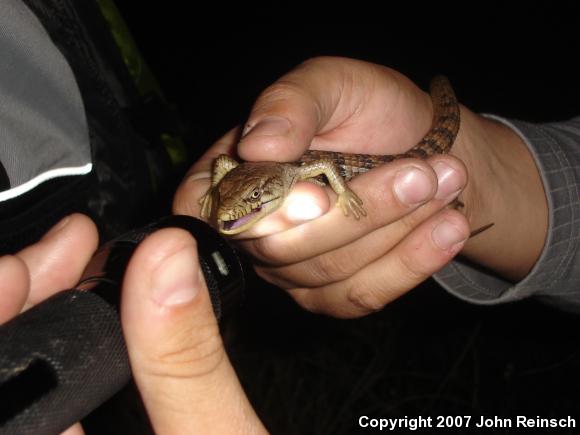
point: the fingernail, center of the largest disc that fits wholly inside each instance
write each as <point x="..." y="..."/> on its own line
<point x="57" y="227"/>
<point x="176" y="279"/>
<point x="272" y="126"/>
<point x="447" y="236"/>
<point x="302" y="208"/>
<point x="412" y="186"/>
<point x="449" y="181"/>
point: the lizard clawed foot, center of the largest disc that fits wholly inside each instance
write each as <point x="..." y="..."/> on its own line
<point x="349" y="202"/>
<point x="206" y="202"/>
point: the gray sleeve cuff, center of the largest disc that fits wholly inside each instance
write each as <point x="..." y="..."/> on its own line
<point x="556" y="276"/>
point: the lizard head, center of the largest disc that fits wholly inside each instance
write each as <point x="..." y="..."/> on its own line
<point x="250" y="192"/>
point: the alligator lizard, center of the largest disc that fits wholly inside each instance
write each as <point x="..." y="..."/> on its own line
<point x="243" y="193"/>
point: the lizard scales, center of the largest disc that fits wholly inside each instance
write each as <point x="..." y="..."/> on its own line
<point x="243" y="193"/>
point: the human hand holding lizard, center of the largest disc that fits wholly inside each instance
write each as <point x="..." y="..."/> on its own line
<point x="348" y="268"/>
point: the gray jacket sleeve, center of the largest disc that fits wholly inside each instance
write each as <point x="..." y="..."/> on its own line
<point x="556" y="276"/>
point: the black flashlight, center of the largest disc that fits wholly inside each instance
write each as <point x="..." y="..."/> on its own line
<point x="65" y="356"/>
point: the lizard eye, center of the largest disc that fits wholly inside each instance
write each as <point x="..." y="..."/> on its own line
<point x="256" y="194"/>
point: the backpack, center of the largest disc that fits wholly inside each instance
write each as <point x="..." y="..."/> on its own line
<point x="137" y="151"/>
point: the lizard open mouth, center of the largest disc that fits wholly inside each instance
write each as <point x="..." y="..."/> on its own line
<point x="230" y="227"/>
<point x="237" y="223"/>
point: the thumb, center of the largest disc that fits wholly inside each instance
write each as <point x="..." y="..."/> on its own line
<point x="338" y="104"/>
<point x="289" y="113"/>
<point x="177" y="356"/>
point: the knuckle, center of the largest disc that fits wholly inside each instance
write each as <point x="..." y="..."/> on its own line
<point x="264" y="250"/>
<point x="410" y="222"/>
<point x="182" y="358"/>
<point x="365" y="299"/>
<point x="325" y="62"/>
<point x="282" y="90"/>
<point x="314" y="61"/>
<point x="273" y="275"/>
<point x="411" y="266"/>
<point x="307" y="300"/>
<point x="330" y="268"/>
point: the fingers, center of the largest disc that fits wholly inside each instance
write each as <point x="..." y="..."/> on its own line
<point x="15" y="285"/>
<point x="391" y="194"/>
<point x="388" y="192"/>
<point x="423" y="252"/>
<point x="57" y="261"/>
<point x="54" y="263"/>
<point x="183" y="373"/>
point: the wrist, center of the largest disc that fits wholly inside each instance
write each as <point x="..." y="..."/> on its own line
<point x="504" y="188"/>
<point x="472" y="148"/>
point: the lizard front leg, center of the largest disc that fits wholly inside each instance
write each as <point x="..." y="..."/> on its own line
<point x="221" y="166"/>
<point x="348" y="201"/>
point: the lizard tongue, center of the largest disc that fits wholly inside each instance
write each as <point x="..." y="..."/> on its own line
<point x="232" y="225"/>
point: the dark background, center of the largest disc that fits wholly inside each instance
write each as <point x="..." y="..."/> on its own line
<point x="427" y="353"/>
